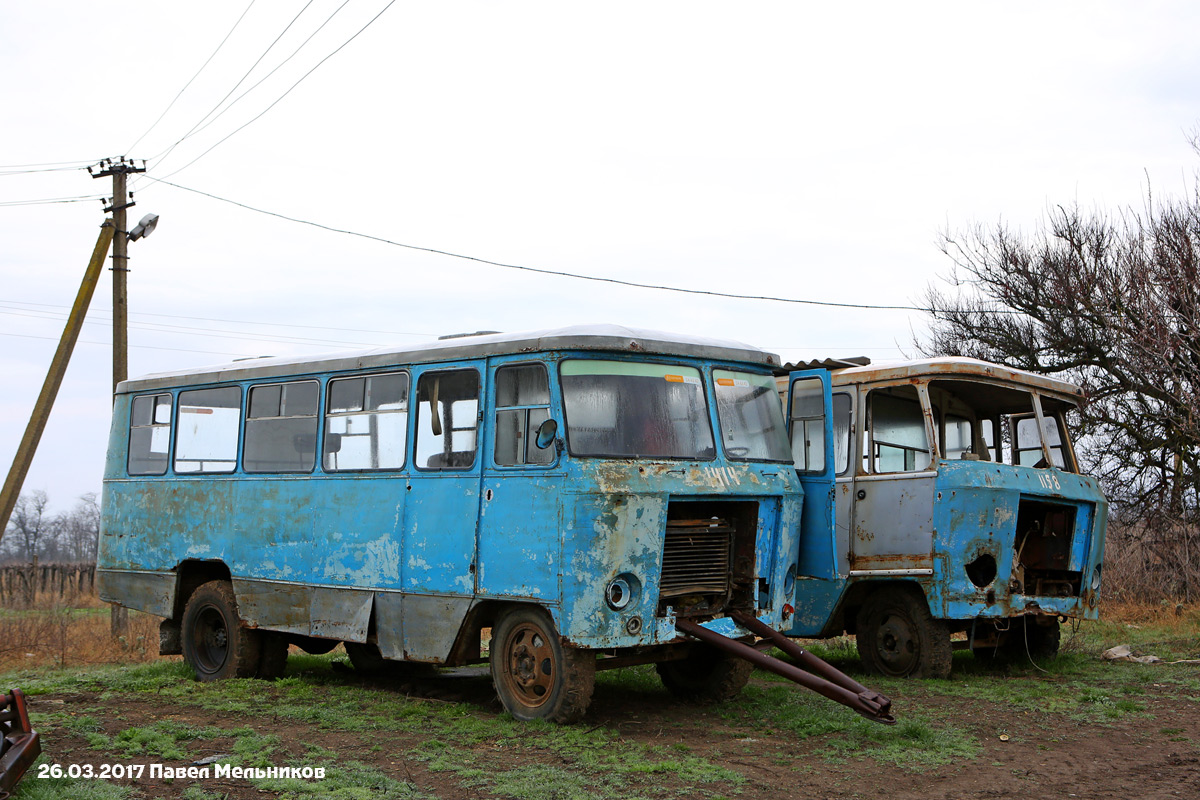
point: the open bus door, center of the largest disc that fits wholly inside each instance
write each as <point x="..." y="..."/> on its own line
<point x="820" y="570"/>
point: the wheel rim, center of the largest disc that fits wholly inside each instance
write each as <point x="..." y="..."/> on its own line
<point x="211" y="640"/>
<point x="898" y="645"/>
<point x="529" y="672"/>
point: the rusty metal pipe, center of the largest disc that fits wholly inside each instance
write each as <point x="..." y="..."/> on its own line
<point x="865" y="705"/>
<point x="812" y="663"/>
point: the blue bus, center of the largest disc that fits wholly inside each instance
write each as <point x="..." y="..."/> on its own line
<point x="944" y="508"/>
<point x="554" y="502"/>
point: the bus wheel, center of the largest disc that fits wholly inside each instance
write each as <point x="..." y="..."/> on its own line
<point x="1027" y="638"/>
<point x="536" y="677"/>
<point x="273" y="655"/>
<point x="707" y="675"/>
<point x="215" y="644"/>
<point x="898" y="637"/>
<point x="366" y="658"/>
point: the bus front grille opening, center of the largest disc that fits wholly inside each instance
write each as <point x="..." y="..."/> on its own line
<point x="1043" y="550"/>
<point x="708" y="558"/>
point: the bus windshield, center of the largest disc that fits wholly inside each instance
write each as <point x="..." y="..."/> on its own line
<point x="628" y="409"/>
<point x="997" y="422"/>
<point x="751" y="417"/>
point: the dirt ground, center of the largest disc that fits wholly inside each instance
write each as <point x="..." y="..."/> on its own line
<point x="1127" y="758"/>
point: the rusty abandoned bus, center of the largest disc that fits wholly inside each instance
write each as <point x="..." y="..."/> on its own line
<point x="942" y="496"/>
<point x="594" y="496"/>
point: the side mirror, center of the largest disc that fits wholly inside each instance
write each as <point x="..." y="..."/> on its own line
<point x="546" y="433"/>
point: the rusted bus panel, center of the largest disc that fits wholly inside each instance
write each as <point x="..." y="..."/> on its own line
<point x="518" y="559"/>
<point x="431" y="624"/>
<point x="152" y="592"/>
<point x="977" y="517"/>
<point x="620" y="530"/>
<point x="152" y="524"/>
<point x="321" y="611"/>
<point x="957" y="368"/>
<point x="893" y="517"/>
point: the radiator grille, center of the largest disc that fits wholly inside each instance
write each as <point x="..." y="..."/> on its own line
<point x="696" y="557"/>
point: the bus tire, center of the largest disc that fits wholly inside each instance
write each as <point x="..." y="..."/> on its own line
<point x="1026" y="639"/>
<point x="215" y="643"/>
<point x="273" y="655"/>
<point x="898" y="637"/>
<point x="535" y="675"/>
<point x="366" y="658"/>
<point x="707" y="675"/>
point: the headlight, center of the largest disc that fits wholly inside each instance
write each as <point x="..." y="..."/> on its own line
<point x="618" y="594"/>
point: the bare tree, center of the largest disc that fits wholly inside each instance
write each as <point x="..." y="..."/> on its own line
<point x="81" y="530"/>
<point x="30" y="525"/>
<point x="1111" y="301"/>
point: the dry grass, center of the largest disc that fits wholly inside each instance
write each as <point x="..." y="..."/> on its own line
<point x="54" y="632"/>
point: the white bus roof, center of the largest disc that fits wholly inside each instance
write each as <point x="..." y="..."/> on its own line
<point x="943" y="367"/>
<point x="610" y="338"/>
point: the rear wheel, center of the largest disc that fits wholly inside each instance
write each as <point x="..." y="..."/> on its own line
<point x="536" y="677"/>
<point x="1028" y="638"/>
<point x="273" y="655"/>
<point x="707" y="675"/>
<point x="898" y="637"/>
<point x="215" y="644"/>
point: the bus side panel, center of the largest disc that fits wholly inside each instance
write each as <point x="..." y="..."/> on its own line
<point x="520" y="536"/>
<point x="359" y="537"/>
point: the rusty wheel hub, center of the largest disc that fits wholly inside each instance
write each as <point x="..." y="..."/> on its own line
<point x="530" y="660"/>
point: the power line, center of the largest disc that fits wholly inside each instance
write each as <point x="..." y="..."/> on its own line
<point x="289" y="91"/>
<point x="11" y="303"/>
<point x="215" y="333"/>
<point x="139" y="346"/>
<point x="236" y="85"/>
<point x="49" y="200"/>
<point x="78" y="164"/>
<point x="555" y="273"/>
<point x="261" y="80"/>
<point x="18" y="171"/>
<point x="189" y="83"/>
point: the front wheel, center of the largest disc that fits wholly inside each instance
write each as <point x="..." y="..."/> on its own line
<point x="536" y="677"/>
<point x="215" y="644"/>
<point x="898" y="637"/>
<point x="707" y="675"/>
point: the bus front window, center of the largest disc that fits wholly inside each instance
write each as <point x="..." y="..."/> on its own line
<point x="1007" y="429"/>
<point x="628" y="409"/>
<point x="751" y="419"/>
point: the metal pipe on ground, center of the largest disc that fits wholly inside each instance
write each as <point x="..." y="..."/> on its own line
<point x="869" y="704"/>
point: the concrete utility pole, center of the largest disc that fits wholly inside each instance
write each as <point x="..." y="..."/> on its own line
<point x="54" y="378"/>
<point x="119" y="170"/>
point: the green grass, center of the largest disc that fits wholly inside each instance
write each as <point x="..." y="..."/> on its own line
<point x="485" y="751"/>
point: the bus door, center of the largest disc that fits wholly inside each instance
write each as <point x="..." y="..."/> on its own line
<point x="810" y="429"/>
<point x="519" y="533"/>
<point x="442" y="504"/>
<point x="893" y="500"/>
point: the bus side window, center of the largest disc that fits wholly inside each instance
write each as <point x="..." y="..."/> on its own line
<point x="960" y="437"/>
<point x="281" y="428"/>
<point x="206" y="429"/>
<point x="366" y="422"/>
<point x="843" y="426"/>
<point x="898" y="434"/>
<point x="522" y="404"/>
<point x="808" y="425"/>
<point x="447" y="419"/>
<point x="149" y="434"/>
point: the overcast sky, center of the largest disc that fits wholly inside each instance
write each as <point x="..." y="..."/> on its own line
<point x="800" y="150"/>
